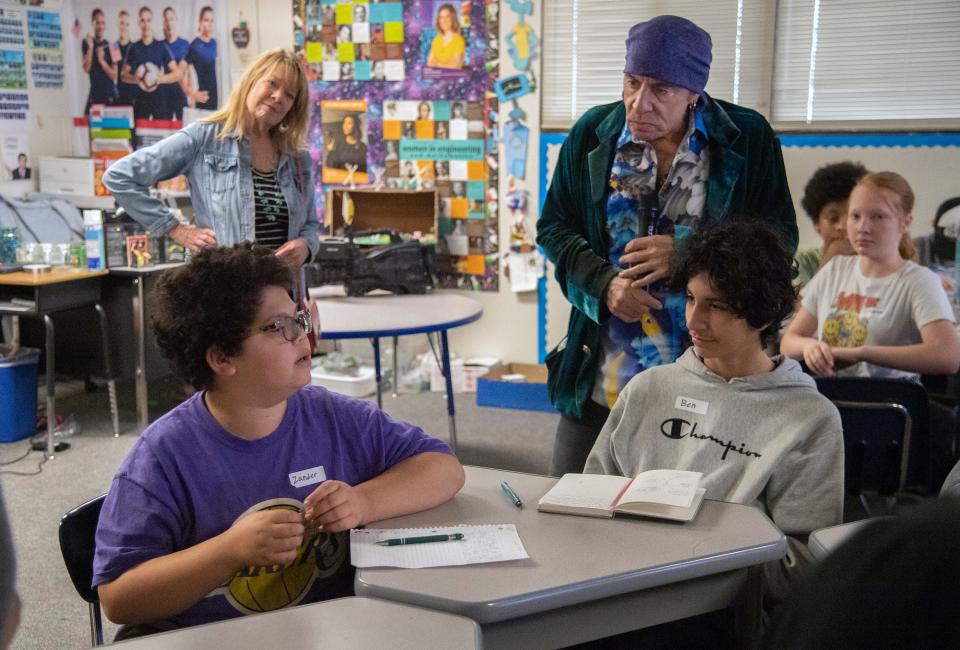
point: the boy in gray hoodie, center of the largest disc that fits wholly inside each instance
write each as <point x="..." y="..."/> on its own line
<point x="755" y="426"/>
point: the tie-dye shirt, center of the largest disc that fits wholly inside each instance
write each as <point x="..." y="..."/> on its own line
<point x="661" y="336"/>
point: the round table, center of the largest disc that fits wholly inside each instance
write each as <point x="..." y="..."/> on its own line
<point x="379" y="314"/>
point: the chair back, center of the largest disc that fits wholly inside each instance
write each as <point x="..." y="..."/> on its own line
<point x="77" y="544"/>
<point x="885" y="431"/>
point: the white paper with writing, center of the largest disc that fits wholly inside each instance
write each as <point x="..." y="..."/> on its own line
<point x="308" y="476"/>
<point x="692" y="405"/>
<point x="480" y="544"/>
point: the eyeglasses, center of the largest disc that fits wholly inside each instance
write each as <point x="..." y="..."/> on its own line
<point x="290" y="326"/>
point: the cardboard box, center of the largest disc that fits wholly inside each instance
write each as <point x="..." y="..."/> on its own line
<point x="528" y="393"/>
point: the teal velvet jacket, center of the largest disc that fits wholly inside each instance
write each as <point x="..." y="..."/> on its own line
<point x="747" y="181"/>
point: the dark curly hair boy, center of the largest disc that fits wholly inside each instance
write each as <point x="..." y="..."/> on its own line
<point x="748" y="264"/>
<point x="830" y="183"/>
<point x="213" y="300"/>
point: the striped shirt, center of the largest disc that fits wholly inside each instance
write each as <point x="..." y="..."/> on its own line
<point x="271" y="216"/>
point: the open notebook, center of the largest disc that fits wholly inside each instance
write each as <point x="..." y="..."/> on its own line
<point x="664" y="493"/>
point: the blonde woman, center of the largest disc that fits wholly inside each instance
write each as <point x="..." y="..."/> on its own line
<point x="446" y="50"/>
<point x="249" y="172"/>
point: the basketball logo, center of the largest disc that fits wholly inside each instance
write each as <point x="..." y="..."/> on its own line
<point x="258" y="589"/>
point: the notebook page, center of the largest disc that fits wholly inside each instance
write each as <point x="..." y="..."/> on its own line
<point x="586" y="490"/>
<point x="671" y="487"/>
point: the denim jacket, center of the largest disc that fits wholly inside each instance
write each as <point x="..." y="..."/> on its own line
<point x="221" y="185"/>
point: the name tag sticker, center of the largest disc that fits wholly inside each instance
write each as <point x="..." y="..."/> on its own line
<point x="692" y="405"/>
<point x="310" y="476"/>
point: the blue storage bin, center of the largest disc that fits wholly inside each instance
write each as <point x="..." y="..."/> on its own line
<point x="529" y="394"/>
<point x="18" y="395"/>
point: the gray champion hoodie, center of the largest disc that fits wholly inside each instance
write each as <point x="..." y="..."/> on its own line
<point x="769" y="440"/>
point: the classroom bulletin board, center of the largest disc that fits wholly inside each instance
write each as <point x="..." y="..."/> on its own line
<point x="402" y="95"/>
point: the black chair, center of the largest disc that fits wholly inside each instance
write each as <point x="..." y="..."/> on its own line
<point x="77" y="532"/>
<point x="886" y="434"/>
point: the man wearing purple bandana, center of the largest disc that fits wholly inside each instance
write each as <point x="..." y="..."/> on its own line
<point x="695" y="160"/>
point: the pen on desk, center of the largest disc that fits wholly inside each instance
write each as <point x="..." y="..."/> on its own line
<point x="510" y="493"/>
<point x="400" y="541"/>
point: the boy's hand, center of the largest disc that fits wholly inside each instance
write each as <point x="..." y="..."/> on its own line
<point x="336" y="506"/>
<point x="266" y="537"/>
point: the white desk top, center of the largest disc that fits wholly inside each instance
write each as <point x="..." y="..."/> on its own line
<point x="824" y="541"/>
<point x="354" y="623"/>
<point x="572" y="559"/>
<point x="375" y="315"/>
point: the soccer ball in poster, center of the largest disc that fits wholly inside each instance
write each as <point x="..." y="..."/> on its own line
<point x="147" y="75"/>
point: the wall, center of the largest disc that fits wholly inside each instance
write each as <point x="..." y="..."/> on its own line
<point x="508" y="328"/>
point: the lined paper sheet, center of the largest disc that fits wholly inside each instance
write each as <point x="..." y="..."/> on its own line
<point x="480" y="544"/>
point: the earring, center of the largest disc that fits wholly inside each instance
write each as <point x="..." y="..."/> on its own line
<point x="282" y="128"/>
<point x="691" y="106"/>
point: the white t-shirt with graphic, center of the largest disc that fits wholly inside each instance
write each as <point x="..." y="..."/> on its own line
<point x="853" y="310"/>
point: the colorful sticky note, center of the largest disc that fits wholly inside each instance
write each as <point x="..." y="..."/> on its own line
<point x="344" y="14"/>
<point x="475" y="265"/>
<point x="361" y="71"/>
<point x="314" y="52"/>
<point x="391" y="129"/>
<point x="441" y="111"/>
<point x="476" y="170"/>
<point x="377" y="13"/>
<point x="393" y="12"/>
<point x="424" y="129"/>
<point x="392" y="32"/>
<point x="345" y="52"/>
<point x="459" y="208"/>
<point x="476" y="190"/>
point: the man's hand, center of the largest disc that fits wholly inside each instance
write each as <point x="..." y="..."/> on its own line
<point x="266" y="537"/>
<point x="627" y="302"/>
<point x="648" y="259"/>
<point x="294" y="252"/>
<point x="819" y="358"/>
<point x="191" y="237"/>
<point x="336" y="506"/>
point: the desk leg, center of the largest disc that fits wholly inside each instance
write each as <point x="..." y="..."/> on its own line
<point x="107" y="368"/>
<point x="140" y="371"/>
<point x="448" y="376"/>
<point x="15" y="332"/>
<point x="396" y="374"/>
<point x="51" y="383"/>
<point x="376" y="367"/>
<point x="749" y="610"/>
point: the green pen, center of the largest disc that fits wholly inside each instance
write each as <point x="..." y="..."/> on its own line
<point x="426" y="539"/>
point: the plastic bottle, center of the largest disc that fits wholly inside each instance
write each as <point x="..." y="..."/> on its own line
<point x="93" y="235"/>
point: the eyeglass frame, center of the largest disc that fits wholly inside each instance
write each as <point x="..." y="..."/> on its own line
<point x="301" y="321"/>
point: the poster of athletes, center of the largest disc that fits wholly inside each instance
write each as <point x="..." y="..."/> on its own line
<point x="158" y="58"/>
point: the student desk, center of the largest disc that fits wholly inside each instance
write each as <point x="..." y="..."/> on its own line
<point x="826" y="540"/>
<point x="343" y="623"/>
<point x="587" y="577"/>
<point x="58" y="289"/>
<point x="378" y="315"/>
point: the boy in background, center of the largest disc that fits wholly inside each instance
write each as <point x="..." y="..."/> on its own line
<point x="239" y="499"/>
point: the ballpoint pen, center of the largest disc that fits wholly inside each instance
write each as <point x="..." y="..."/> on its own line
<point x="400" y="541"/>
<point x="510" y="493"/>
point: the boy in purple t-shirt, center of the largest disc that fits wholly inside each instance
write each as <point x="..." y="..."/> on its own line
<point x="238" y="500"/>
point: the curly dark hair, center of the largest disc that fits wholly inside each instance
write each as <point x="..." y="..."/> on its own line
<point x="749" y="265"/>
<point x="212" y="300"/>
<point x="832" y="182"/>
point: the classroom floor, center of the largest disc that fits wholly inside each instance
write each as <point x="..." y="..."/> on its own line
<point x="54" y="616"/>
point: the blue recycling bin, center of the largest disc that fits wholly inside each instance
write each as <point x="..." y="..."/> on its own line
<point x="18" y="395"/>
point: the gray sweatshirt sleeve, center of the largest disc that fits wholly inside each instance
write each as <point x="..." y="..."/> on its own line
<point x="602" y="459"/>
<point x="805" y="491"/>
